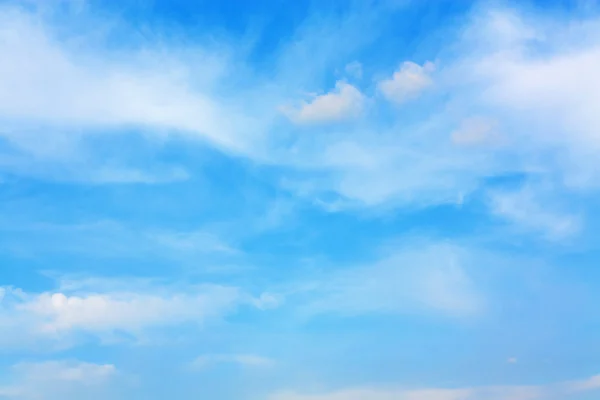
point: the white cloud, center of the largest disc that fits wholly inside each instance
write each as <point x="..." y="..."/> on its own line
<point x="541" y="392"/>
<point x="129" y="175"/>
<point x="592" y="383"/>
<point x="60" y="317"/>
<point x="68" y="87"/>
<point x="547" y="98"/>
<point x="67" y="371"/>
<point x="344" y="102"/>
<point x="527" y="209"/>
<point x="195" y="241"/>
<point x="417" y="394"/>
<point x="267" y="301"/>
<point x="109" y="239"/>
<point x="56" y="379"/>
<point x="418" y="278"/>
<point x="246" y="360"/>
<point x="475" y="131"/>
<point x="393" y="167"/>
<point x="543" y="100"/>
<point x="556" y="89"/>
<point x="407" y="82"/>
<point x="128" y="312"/>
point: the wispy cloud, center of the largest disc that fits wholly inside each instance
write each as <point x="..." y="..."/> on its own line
<point x="495" y="69"/>
<point x="354" y="70"/>
<point x="112" y="239"/>
<point x="84" y="91"/>
<point x="543" y="97"/>
<point x="99" y="99"/>
<point x="475" y="131"/>
<point x="245" y="360"/>
<point x="541" y="392"/>
<point x="56" y="379"/>
<point x="409" y="279"/>
<point x="526" y="209"/>
<point x="80" y="89"/>
<point x="123" y="311"/>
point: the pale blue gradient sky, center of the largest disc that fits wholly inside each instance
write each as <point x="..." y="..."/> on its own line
<point x="297" y="200"/>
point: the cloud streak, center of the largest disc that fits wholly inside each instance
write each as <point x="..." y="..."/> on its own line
<point x="419" y="278"/>
<point x="125" y="312"/>
<point x="408" y="162"/>
<point x="244" y="360"/>
<point x="56" y="379"/>
<point x="541" y="392"/>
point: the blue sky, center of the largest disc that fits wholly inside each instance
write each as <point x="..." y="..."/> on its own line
<point x="271" y="200"/>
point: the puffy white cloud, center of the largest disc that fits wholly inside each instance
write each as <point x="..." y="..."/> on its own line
<point x="344" y="102"/>
<point x="407" y="82"/>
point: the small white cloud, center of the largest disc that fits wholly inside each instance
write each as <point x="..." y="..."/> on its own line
<point x="407" y="82"/>
<point x="512" y="360"/>
<point x="343" y="103"/>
